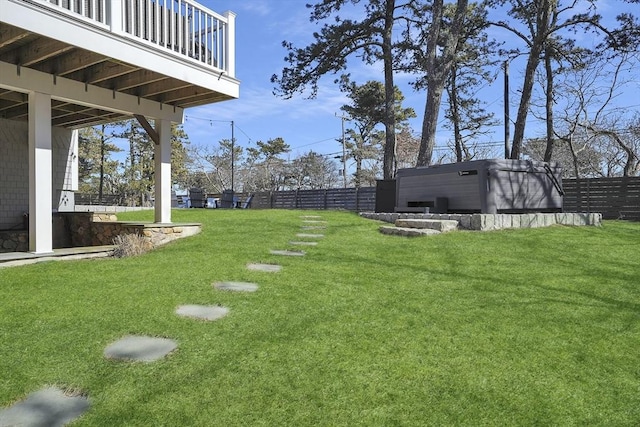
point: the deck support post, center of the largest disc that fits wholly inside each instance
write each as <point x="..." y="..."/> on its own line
<point x="162" y="173"/>
<point x="40" y="174"/>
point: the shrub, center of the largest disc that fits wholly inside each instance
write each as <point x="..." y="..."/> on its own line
<point x="128" y="245"/>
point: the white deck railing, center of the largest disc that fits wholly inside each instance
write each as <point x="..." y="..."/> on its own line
<point x="182" y="27"/>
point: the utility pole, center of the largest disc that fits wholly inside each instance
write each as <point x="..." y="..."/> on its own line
<point x="344" y="152"/>
<point x="233" y="140"/>
<point x="344" y="158"/>
<point x="507" y="134"/>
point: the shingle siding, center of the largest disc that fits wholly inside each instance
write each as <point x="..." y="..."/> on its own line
<point x="14" y="171"/>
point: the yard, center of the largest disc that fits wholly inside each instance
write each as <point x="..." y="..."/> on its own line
<point x="516" y="327"/>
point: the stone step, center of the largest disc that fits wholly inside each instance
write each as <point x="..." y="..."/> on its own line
<point x="406" y="231"/>
<point x="442" y="225"/>
<point x="412" y="209"/>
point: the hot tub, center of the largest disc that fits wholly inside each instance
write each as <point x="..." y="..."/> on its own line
<point x="481" y="186"/>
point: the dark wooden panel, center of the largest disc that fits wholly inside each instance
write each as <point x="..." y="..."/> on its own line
<point x="615" y="198"/>
<point x="360" y="200"/>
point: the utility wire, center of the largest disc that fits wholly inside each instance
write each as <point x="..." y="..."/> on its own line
<point x="335" y="138"/>
<point x="243" y="132"/>
<point x="211" y="121"/>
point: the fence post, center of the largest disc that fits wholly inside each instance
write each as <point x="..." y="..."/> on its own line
<point x="588" y="197"/>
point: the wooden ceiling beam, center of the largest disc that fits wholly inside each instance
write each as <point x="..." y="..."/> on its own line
<point x="101" y="72"/>
<point x="39" y="50"/>
<point x="85" y="120"/>
<point x="174" y="96"/>
<point x="11" y="95"/>
<point x="7" y="104"/>
<point x="70" y="62"/>
<point x="10" y="35"/>
<point x="134" y="80"/>
<point x="160" y="87"/>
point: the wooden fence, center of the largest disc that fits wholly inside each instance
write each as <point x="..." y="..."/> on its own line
<point x="351" y="199"/>
<point x="615" y="198"/>
<point x="94" y="199"/>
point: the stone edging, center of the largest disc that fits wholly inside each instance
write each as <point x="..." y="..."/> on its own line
<point x="486" y="222"/>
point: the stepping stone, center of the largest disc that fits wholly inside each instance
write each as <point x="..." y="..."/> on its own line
<point x="203" y="312"/>
<point x="442" y="225"/>
<point x="408" y="232"/>
<point x="310" y="216"/>
<point x="236" y="286"/>
<point x="303" y="243"/>
<point x="310" y="236"/>
<point x="140" y="348"/>
<point x="288" y="253"/>
<point x="313" y="227"/>
<point x="312" y="221"/>
<point x="268" y="268"/>
<point x="46" y="407"/>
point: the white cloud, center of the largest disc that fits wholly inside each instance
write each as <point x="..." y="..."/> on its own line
<point x="259" y="115"/>
<point x="259" y="103"/>
<point x="258" y="7"/>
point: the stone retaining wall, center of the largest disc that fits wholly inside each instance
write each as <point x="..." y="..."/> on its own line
<point x="83" y="229"/>
<point x="154" y="234"/>
<point x="14" y="241"/>
<point x="100" y="228"/>
<point x="485" y="222"/>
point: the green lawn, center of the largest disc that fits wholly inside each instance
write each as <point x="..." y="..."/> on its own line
<point x="516" y="327"/>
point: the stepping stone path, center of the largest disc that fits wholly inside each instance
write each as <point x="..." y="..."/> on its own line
<point x="56" y="407"/>
<point x="203" y="312"/>
<point x="303" y="243"/>
<point x="288" y="253"/>
<point x="140" y="348"/>
<point x="236" y="286"/>
<point x="268" y="268"/>
<point x="310" y="236"/>
<point x="46" y="407"/>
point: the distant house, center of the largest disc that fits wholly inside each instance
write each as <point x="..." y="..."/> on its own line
<point x="69" y="64"/>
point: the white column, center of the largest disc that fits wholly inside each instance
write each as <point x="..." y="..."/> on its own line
<point x="40" y="174"/>
<point x="162" y="173"/>
<point x="230" y="44"/>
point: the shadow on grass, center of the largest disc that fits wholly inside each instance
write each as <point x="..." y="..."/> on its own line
<point x="602" y="300"/>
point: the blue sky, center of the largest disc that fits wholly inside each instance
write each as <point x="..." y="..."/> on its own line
<point x="261" y="26"/>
